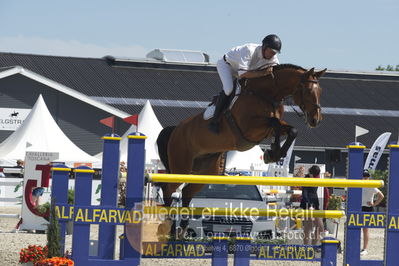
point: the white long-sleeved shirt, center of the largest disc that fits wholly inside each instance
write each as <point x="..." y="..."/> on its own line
<point x="248" y="57"/>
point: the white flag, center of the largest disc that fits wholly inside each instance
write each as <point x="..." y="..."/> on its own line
<point x="376" y="151"/>
<point x="360" y="131"/>
<point x="287" y="158"/>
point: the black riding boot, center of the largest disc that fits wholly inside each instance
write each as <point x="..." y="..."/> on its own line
<point x="213" y="125"/>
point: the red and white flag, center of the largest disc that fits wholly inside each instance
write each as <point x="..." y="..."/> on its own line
<point x="109" y="122"/>
<point x="134" y="120"/>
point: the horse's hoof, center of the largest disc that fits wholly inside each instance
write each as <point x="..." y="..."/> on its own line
<point x="267" y="157"/>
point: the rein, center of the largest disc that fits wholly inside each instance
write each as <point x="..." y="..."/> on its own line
<point x="302" y="106"/>
<point x="275" y="104"/>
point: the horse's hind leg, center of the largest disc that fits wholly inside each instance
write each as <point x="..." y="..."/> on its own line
<point x="179" y="163"/>
<point x="204" y="166"/>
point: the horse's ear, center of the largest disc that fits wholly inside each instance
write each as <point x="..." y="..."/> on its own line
<point x="310" y="72"/>
<point x="320" y="73"/>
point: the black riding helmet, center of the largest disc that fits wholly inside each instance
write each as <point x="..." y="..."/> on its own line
<point x="272" y="41"/>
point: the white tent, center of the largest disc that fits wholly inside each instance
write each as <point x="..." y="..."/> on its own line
<point x="40" y="132"/>
<point x="149" y="125"/>
<point x="251" y="159"/>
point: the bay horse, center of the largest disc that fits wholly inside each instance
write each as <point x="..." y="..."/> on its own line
<point x="255" y="115"/>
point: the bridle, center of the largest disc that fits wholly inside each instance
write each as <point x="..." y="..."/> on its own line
<point x="301" y="87"/>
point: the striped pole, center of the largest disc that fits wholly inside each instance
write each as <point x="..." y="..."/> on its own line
<point x="268" y="181"/>
<point x="250" y="212"/>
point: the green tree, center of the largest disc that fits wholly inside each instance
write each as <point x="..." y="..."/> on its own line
<point x="387" y="68"/>
<point x="53" y="233"/>
<point x="380" y="68"/>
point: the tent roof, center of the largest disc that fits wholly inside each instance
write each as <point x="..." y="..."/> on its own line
<point x="14" y="70"/>
<point x="40" y="132"/>
<point x="149" y="125"/>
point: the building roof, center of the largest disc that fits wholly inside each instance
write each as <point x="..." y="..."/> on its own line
<point x="177" y="91"/>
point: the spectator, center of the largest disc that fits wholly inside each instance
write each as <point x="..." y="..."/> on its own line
<point x="368" y="205"/>
<point x="20" y="164"/>
<point x="1" y="173"/>
<point x="310" y="201"/>
<point x="122" y="183"/>
<point x="122" y="171"/>
<point x="300" y="172"/>
<point x="36" y="194"/>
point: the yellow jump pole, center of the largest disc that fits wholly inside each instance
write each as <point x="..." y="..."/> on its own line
<point x="299" y="213"/>
<point x="268" y="181"/>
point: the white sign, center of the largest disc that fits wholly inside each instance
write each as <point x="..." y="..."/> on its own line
<point x="30" y="221"/>
<point x="12" y="118"/>
<point x="376" y="151"/>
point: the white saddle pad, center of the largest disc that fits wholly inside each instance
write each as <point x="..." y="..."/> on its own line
<point x="209" y="111"/>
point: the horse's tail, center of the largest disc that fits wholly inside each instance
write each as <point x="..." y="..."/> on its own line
<point x="162" y="142"/>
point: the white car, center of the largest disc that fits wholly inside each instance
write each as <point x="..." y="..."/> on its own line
<point x="230" y="196"/>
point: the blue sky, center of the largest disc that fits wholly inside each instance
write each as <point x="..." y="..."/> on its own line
<point x="351" y="35"/>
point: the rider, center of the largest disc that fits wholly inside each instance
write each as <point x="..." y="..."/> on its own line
<point x="246" y="61"/>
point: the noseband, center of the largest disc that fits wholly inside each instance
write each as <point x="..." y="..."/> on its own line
<point x="302" y="89"/>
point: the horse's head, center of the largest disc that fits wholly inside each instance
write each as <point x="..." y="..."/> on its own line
<point x="307" y="96"/>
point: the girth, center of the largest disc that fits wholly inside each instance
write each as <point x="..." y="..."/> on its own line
<point x="242" y="143"/>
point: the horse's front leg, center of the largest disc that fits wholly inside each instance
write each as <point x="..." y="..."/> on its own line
<point x="273" y="155"/>
<point x="276" y="152"/>
<point x="291" y="133"/>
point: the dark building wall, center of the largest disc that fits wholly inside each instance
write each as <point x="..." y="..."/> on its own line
<point x="78" y="120"/>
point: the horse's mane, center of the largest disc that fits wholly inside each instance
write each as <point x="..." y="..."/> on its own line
<point x="288" y="66"/>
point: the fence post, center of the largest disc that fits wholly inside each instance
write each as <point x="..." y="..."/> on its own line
<point x="354" y="203"/>
<point x="59" y="192"/>
<point x="134" y="194"/>
<point x="392" y="215"/>
<point x="220" y="251"/>
<point x="109" y="194"/>
<point x="329" y="247"/>
<point x="242" y="251"/>
<point x="81" y="232"/>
